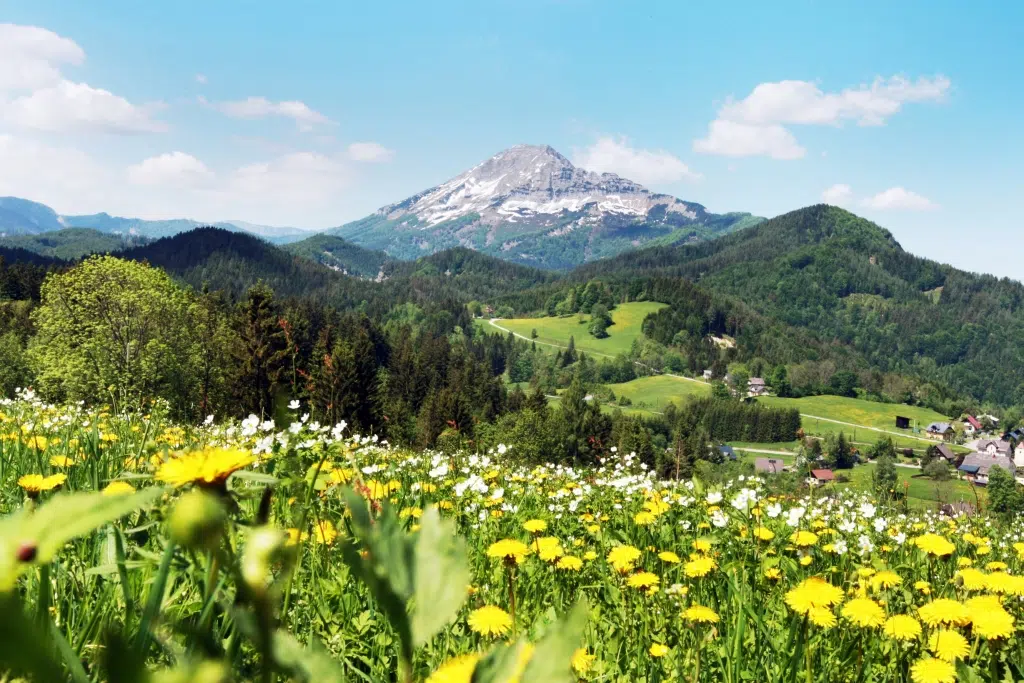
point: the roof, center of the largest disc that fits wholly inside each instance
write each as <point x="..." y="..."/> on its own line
<point x="958" y="508"/>
<point x="726" y="449"/>
<point x="823" y="475"/>
<point x="768" y="465"/>
<point x="973" y="421"/>
<point x="981" y="463"/>
<point x="1000" y="445"/>
<point x="945" y="451"/>
<point x="756" y="381"/>
<point x="939" y="427"/>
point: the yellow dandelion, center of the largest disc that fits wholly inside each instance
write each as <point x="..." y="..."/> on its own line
<point x="581" y="660"/>
<point x="490" y="621"/>
<point x="569" y="563"/>
<point x="458" y="670"/>
<point x="864" y="612"/>
<point x="206" y="467"/>
<point x="118" y="488"/>
<point x="821" y="617"/>
<point x="643" y="580"/>
<point x="885" y="579"/>
<point x="700" y="614"/>
<point x="944" y="612"/>
<point x="535" y="526"/>
<point x="930" y="670"/>
<point x="658" y="650"/>
<point x="509" y="550"/>
<point x="992" y="623"/>
<point x="622" y="558"/>
<point x="933" y="544"/>
<point x="948" y="645"/>
<point x="803" y="539"/>
<point x="811" y="593"/>
<point x="548" y="548"/>
<point x="700" y="567"/>
<point x="972" y="579"/>
<point x="902" y="627"/>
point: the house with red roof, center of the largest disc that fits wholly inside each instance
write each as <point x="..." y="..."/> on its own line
<point x="971" y="425"/>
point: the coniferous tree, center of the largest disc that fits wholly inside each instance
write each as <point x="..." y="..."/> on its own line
<point x="263" y="350"/>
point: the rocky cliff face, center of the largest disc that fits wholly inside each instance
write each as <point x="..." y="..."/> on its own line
<point x="531" y="204"/>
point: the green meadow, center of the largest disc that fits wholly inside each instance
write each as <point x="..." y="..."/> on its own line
<point x="627" y="320"/>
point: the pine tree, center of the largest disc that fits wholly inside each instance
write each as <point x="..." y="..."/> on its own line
<point x="262" y="350"/>
<point x="884" y="479"/>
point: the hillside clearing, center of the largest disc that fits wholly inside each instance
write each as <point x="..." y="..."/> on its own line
<point x="555" y="332"/>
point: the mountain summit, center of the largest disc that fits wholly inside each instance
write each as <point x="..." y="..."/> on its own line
<point x="532" y="205"/>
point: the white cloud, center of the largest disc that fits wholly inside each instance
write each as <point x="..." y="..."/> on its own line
<point x="201" y="79"/>
<point x="69" y="106"/>
<point x="754" y="126"/>
<point x="734" y="139"/>
<point x="260" y="107"/>
<point x="53" y="175"/>
<point x="296" y="177"/>
<point x="29" y="56"/>
<point x="174" y="169"/>
<point x="837" y="195"/>
<point x="899" y="198"/>
<point x="648" y="167"/>
<point x="35" y="95"/>
<point x="369" y="152"/>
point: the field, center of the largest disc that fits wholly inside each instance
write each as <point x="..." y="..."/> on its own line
<point x="302" y="553"/>
<point x="654" y="393"/>
<point x="627" y="319"/>
<point x="860" y="412"/>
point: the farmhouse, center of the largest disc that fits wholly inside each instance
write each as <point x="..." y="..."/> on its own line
<point x="823" y="476"/>
<point x="946" y="452"/>
<point x="941" y="429"/>
<point x="977" y="466"/>
<point x="994" y="447"/>
<point x="971" y="425"/>
<point x="756" y="386"/>
<point x="1018" y="454"/>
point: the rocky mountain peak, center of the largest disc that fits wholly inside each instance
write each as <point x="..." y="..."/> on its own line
<point x="529" y="203"/>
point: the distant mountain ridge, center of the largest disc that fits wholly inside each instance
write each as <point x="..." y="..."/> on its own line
<point x="531" y="205"/>
<point x="25" y="217"/>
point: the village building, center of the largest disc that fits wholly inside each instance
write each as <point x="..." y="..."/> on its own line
<point x="976" y="467"/>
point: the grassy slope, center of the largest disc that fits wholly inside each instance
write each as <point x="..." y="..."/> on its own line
<point x="858" y="411"/>
<point x="657" y="392"/>
<point x="627" y="319"/>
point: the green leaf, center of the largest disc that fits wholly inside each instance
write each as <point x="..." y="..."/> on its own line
<point x="967" y="674"/>
<point x="25" y="648"/>
<point x="551" y="660"/>
<point x="441" y="576"/>
<point x="310" y="664"/>
<point x="257" y="477"/>
<point x="499" y="665"/>
<point x="64" y="517"/>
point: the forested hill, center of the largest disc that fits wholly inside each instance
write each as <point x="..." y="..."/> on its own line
<point x="339" y="254"/>
<point x="843" y="278"/>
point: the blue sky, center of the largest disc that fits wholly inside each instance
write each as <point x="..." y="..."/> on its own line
<point x="314" y="114"/>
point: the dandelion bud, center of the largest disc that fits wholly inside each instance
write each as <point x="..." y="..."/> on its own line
<point x="263" y="547"/>
<point x="197" y="521"/>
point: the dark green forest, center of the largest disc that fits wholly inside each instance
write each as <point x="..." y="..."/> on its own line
<point x="816" y="301"/>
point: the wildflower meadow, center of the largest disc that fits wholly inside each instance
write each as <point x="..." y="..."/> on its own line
<point x="136" y="549"/>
